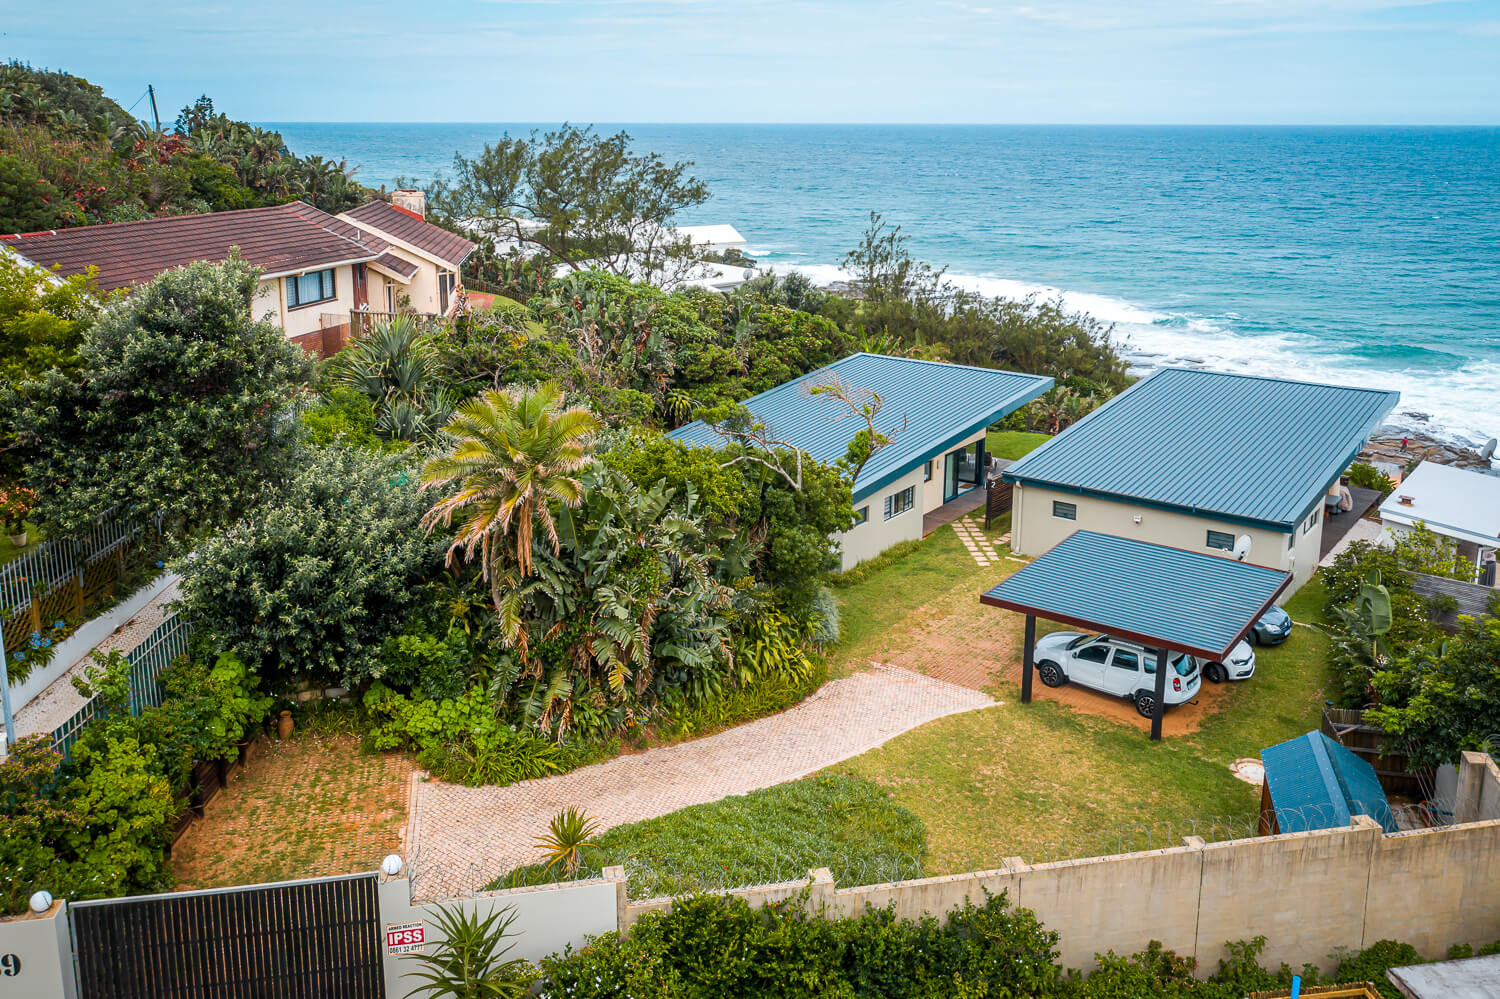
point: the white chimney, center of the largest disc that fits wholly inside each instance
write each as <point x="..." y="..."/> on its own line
<point x="413" y="201"/>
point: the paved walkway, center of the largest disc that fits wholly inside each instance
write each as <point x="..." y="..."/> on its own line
<point x="57" y="703"/>
<point x="464" y="837"/>
<point x="1362" y="530"/>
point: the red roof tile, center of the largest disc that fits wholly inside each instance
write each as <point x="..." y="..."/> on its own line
<point x="397" y="223"/>
<point x="280" y="239"/>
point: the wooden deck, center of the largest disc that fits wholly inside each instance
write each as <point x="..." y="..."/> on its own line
<point x="1337" y="525"/>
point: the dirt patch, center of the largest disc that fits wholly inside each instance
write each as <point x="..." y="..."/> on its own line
<point x="314" y="805"/>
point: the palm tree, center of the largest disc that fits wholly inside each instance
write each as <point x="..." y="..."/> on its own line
<point x="515" y="452"/>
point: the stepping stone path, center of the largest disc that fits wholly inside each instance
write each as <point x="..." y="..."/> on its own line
<point x="976" y="542"/>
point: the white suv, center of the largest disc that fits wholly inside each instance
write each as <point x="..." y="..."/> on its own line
<point x="1113" y="666"/>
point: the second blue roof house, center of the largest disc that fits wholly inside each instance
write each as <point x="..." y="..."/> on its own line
<point x="945" y="409"/>
<point x="1233" y="465"/>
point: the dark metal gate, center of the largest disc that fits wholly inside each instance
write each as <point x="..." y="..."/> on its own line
<point x="299" y="938"/>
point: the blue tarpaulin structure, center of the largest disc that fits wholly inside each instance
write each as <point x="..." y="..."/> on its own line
<point x="1314" y="783"/>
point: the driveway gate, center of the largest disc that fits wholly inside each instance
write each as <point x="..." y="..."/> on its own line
<point x="298" y="938"/>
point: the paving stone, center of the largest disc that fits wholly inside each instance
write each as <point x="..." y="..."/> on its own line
<point x="464" y="837"/>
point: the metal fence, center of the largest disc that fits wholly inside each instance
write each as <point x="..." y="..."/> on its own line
<point x="50" y="590"/>
<point x="147" y="660"/>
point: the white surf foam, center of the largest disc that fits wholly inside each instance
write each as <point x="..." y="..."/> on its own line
<point x="1457" y="403"/>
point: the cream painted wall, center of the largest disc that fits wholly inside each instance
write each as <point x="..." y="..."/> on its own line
<point x="932" y="496"/>
<point x="423" y="288"/>
<point x="270" y="302"/>
<point x="1035" y="530"/>
<point x="877" y="534"/>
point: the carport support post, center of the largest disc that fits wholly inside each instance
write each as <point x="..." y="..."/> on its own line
<point x="1162" y="665"/>
<point x="1028" y="651"/>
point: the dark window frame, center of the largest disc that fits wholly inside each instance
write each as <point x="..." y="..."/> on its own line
<point x="327" y="285"/>
<point x="1058" y="506"/>
<point x="905" y="498"/>
<point x="1220" y="540"/>
<point x="862" y="515"/>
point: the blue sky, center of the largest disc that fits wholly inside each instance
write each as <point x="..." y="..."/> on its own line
<point x="1117" y="61"/>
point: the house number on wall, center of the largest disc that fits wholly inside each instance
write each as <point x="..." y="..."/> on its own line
<point x="10" y="965"/>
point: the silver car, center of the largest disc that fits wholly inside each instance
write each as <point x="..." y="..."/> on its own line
<point x="1113" y="666"/>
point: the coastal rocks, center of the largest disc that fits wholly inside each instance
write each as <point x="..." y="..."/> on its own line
<point x="1407" y="450"/>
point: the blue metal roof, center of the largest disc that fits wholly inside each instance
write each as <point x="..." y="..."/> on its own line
<point x="1317" y="784"/>
<point x="1253" y="450"/>
<point x="940" y="403"/>
<point x="1162" y="597"/>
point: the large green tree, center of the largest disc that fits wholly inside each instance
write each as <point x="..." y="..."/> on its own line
<point x="182" y="407"/>
<point x="575" y="195"/>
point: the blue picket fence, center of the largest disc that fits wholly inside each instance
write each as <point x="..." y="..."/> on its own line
<point x="147" y="661"/>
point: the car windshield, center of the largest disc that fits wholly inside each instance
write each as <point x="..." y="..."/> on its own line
<point x="1081" y="640"/>
<point x="1184" y="664"/>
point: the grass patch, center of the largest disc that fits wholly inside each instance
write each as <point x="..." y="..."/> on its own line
<point x="311" y="806"/>
<point x="1013" y="444"/>
<point x="849" y="825"/>
<point x="1045" y="781"/>
<point x="9" y="552"/>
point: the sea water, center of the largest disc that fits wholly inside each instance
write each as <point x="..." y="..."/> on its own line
<point x="1361" y="255"/>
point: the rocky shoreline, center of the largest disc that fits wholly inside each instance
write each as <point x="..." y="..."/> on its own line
<point x="1404" y="448"/>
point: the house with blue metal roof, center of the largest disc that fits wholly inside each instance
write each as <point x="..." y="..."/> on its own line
<point x="935" y="414"/>
<point x="1234" y="465"/>
<point x="1314" y="783"/>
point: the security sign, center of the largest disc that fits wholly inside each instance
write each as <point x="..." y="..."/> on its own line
<point x="405" y="938"/>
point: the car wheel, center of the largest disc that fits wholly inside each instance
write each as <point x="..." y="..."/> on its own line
<point x="1145" y="703"/>
<point x="1051" y="674"/>
<point x="1215" y="672"/>
<point x="1253" y="637"/>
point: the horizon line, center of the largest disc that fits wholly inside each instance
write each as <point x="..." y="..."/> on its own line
<point x="908" y="124"/>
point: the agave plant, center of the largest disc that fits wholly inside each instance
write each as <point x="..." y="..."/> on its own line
<point x="568" y="835"/>
<point x="395" y="367"/>
<point x="468" y="961"/>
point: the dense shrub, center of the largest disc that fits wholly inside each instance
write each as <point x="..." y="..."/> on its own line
<point x="1370" y="964"/>
<point x="315" y="578"/>
<point x="179" y="411"/>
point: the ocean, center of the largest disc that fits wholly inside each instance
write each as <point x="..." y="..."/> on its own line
<point x="1360" y="255"/>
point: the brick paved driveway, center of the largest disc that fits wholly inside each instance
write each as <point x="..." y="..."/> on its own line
<point x="464" y="837"/>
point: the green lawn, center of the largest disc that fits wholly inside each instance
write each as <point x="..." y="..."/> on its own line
<point x="1044" y="781"/>
<point x="850" y="826"/>
<point x="1013" y="444"/>
<point x="9" y="551"/>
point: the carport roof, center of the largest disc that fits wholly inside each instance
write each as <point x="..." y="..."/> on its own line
<point x="1159" y="596"/>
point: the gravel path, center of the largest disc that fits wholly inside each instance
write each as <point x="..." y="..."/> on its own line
<point x="464" y="837"/>
<point x="60" y="700"/>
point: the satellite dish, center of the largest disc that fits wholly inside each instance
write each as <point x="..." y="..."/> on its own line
<point x="749" y="273"/>
<point x="1242" y="547"/>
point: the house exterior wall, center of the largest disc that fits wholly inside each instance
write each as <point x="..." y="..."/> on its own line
<point x="877" y="534"/>
<point x="423" y="288"/>
<point x="270" y="302"/>
<point x="1035" y="530"/>
<point x="932" y="496"/>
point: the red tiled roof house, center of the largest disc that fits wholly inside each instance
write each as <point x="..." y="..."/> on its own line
<point x="316" y="267"/>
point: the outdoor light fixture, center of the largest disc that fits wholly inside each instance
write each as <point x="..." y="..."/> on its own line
<point x="41" y="901"/>
<point x="391" y="865"/>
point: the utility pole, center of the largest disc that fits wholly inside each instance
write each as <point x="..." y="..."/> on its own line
<point x="154" y="113"/>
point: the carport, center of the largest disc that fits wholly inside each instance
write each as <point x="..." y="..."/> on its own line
<point x="1167" y="599"/>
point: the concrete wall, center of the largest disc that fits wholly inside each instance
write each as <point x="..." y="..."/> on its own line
<point x="1034" y="530"/>
<point x="1477" y="796"/>
<point x="548" y="918"/>
<point x="1309" y="894"/>
<point x="79" y="644"/>
<point x="36" y="956"/>
<point x="877" y="534"/>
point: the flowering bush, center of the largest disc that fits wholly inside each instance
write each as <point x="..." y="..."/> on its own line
<point x="16" y="504"/>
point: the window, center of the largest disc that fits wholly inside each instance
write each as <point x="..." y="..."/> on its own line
<point x="445" y="288"/>
<point x="1067" y="511"/>
<point x="898" y="503"/>
<point x="927" y="472"/>
<point x="305" y="289"/>
<point x="1311" y="521"/>
<point x="1291" y="540"/>
<point x="861" y="515"/>
<point x="1221" y="540"/>
<point x="1094" y="653"/>
<point x="1127" y="660"/>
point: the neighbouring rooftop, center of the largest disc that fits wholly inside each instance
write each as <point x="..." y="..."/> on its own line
<point x="1454" y="502"/>
<point x="940" y="404"/>
<point x="1254" y="450"/>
